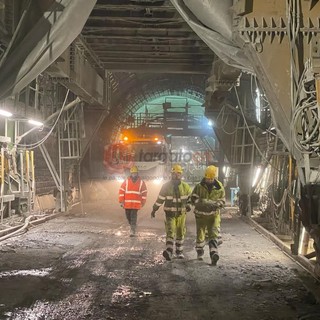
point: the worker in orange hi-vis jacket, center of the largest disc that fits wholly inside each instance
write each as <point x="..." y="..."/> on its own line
<point x="132" y="197"/>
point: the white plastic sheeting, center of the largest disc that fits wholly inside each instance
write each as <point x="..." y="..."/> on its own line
<point x="30" y="53"/>
<point x="211" y="20"/>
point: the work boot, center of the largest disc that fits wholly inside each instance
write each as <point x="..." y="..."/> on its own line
<point x="200" y="257"/>
<point x="214" y="258"/>
<point x="180" y="255"/>
<point x="167" y="255"/>
<point x="132" y="232"/>
<point x="200" y="254"/>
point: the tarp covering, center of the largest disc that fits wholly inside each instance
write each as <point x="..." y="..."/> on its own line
<point x="39" y="40"/>
<point x="211" y="20"/>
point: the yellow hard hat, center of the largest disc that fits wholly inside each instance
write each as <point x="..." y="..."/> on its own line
<point x="134" y="169"/>
<point x="211" y="172"/>
<point x="176" y="168"/>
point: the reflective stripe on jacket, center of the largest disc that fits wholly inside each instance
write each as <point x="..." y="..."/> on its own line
<point x="207" y="202"/>
<point x="174" y="199"/>
<point x="133" y="195"/>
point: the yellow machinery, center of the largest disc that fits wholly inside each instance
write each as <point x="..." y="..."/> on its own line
<point x="17" y="189"/>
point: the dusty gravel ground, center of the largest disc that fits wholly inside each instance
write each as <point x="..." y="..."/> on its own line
<point x="85" y="266"/>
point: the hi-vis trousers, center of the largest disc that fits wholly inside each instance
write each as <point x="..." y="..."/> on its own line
<point x="211" y="224"/>
<point x="175" y="225"/>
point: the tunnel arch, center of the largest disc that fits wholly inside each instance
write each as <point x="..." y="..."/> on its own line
<point x="155" y="106"/>
<point x="189" y="93"/>
<point x="133" y="92"/>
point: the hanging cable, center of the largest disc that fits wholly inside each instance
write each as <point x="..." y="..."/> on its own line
<point x="224" y="122"/>
<point x="305" y="125"/>
<point x="41" y="141"/>
<point x="247" y="126"/>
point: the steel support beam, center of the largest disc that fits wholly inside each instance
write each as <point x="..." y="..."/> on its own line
<point x="158" y="68"/>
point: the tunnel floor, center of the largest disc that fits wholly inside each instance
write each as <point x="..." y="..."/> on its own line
<point x="85" y="266"/>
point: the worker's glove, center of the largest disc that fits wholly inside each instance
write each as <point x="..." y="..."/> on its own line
<point x="188" y="208"/>
<point x="219" y="203"/>
<point x="121" y="204"/>
<point x="153" y="214"/>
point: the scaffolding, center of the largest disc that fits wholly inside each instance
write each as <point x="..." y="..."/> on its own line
<point x="69" y="143"/>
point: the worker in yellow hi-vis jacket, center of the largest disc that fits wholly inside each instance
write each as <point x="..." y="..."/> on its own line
<point x="174" y="194"/>
<point x="208" y="197"/>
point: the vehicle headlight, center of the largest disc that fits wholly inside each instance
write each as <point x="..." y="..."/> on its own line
<point x="157" y="181"/>
<point x="120" y="179"/>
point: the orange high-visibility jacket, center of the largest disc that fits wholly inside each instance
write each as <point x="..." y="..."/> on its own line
<point x="133" y="195"/>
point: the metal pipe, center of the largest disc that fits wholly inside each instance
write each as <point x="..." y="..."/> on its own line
<point x="304" y="242"/>
<point x="28" y="178"/>
<point x="21" y="173"/>
<point x="67" y="107"/>
<point x="290" y="189"/>
<point x="32" y="171"/>
<point x="27" y="165"/>
<point x="62" y="204"/>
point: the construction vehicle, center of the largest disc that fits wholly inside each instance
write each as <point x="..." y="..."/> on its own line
<point x="148" y="151"/>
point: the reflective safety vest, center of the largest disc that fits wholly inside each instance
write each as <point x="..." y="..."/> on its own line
<point x="133" y="195"/>
<point x="207" y="202"/>
<point x="174" y="199"/>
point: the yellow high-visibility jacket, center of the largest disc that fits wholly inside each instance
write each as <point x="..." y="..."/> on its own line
<point x="208" y="202"/>
<point x="174" y="199"/>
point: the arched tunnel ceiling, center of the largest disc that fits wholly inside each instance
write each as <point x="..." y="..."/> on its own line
<point x="179" y="102"/>
<point x="144" y="36"/>
<point x="134" y="90"/>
